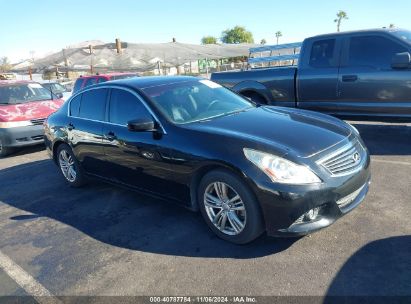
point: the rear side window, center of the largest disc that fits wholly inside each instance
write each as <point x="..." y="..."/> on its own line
<point x="373" y="51"/>
<point x="93" y="104"/>
<point x="77" y="85"/>
<point x="124" y="107"/>
<point x="322" y="53"/>
<point x="75" y="106"/>
<point x="90" y="81"/>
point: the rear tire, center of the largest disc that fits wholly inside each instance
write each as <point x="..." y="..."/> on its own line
<point x="4" y="151"/>
<point x="70" y="167"/>
<point x="229" y="207"/>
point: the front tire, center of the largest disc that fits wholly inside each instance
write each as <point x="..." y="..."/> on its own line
<point x="4" y="151"/>
<point x="70" y="167"/>
<point x="229" y="207"/>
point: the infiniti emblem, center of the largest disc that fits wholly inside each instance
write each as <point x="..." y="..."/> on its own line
<point x="356" y="157"/>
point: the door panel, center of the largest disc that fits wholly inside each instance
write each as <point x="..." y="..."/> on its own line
<point x="139" y="159"/>
<point x="317" y="77"/>
<point x="367" y="83"/>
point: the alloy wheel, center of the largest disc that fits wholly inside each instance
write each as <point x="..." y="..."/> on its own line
<point x="225" y="208"/>
<point x="67" y="166"/>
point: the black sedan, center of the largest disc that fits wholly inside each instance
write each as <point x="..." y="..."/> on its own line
<point x="247" y="168"/>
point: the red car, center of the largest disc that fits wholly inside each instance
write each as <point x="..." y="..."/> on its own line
<point x="24" y="106"/>
<point x="85" y="81"/>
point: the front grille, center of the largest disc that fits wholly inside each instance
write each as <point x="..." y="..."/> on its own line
<point x="346" y="160"/>
<point x="38" y="121"/>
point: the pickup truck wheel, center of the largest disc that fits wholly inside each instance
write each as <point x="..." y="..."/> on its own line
<point x="257" y="98"/>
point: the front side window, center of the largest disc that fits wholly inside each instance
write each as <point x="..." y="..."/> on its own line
<point x="195" y="100"/>
<point x="22" y="93"/>
<point x="373" y="51"/>
<point x="124" y="106"/>
<point x="322" y="53"/>
<point x="93" y="104"/>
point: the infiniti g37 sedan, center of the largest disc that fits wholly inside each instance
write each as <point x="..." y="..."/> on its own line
<point x="246" y="168"/>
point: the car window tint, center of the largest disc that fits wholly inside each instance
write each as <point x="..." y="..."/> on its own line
<point x="75" y="106"/>
<point x="124" y="107"/>
<point x="93" y="104"/>
<point x="90" y="81"/>
<point x="373" y="51"/>
<point x="77" y="85"/>
<point x="322" y="53"/>
<point x="101" y="79"/>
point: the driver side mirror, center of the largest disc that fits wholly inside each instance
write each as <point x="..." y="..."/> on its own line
<point x="59" y="95"/>
<point x="401" y="61"/>
<point x="141" y="125"/>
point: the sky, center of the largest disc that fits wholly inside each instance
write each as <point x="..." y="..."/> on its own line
<point x="44" y="26"/>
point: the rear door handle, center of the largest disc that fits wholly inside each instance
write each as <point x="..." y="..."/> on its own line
<point x="110" y="136"/>
<point x="350" y="78"/>
<point x="70" y="127"/>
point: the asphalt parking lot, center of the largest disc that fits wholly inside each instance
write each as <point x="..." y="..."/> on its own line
<point x="104" y="240"/>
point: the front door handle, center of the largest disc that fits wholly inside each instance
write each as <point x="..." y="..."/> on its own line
<point x="70" y="127"/>
<point x="110" y="136"/>
<point x="350" y="78"/>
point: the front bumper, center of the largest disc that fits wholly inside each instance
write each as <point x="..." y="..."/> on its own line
<point x="284" y="206"/>
<point x="22" y="136"/>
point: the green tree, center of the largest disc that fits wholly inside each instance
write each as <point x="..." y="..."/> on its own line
<point x="278" y="35"/>
<point x="209" y="40"/>
<point x="263" y="41"/>
<point x="238" y="34"/>
<point x="5" y="64"/>
<point x="341" y="15"/>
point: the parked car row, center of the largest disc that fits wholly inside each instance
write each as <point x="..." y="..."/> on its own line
<point x="24" y="106"/>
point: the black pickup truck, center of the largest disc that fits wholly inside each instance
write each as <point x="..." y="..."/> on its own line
<point x="361" y="73"/>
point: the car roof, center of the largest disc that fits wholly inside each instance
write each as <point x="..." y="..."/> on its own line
<point x="367" y="31"/>
<point x="107" y="75"/>
<point x="149" y="81"/>
<point x="14" y="82"/>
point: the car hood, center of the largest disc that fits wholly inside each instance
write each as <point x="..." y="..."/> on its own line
<point x="304" y="133"/>
<point x="29" y="110"/>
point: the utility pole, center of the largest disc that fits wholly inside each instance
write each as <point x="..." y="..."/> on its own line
<point x="65" y="63"/>
<point x="118" y="46"/>
<point x="90" y="47"/>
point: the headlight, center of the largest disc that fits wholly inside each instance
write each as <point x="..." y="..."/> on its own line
<point x="14" y="124"/>
<point x="280" y="170"/>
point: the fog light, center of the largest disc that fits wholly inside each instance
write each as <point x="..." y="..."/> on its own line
<point x="312" y="214"/>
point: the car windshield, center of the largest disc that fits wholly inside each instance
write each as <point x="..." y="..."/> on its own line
<point x="22" y="93"/>
<point x="54" y="87"/>
<point x="403" y="35"/>
<point x="192" y="101"/>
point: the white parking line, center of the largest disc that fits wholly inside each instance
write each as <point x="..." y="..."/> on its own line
<point x="394" y="162"/>
<point x="26" y="281"/>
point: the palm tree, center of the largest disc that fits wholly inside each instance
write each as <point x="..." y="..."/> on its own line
<point x="263" y="41"/>
<point x="278" y="35"/>
<point x="341" y="15"/>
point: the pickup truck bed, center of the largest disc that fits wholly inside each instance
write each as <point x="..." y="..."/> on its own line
<point x="355" y="74"/>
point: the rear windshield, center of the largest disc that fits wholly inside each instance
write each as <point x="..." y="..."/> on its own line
<point x="22" y="93"/>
